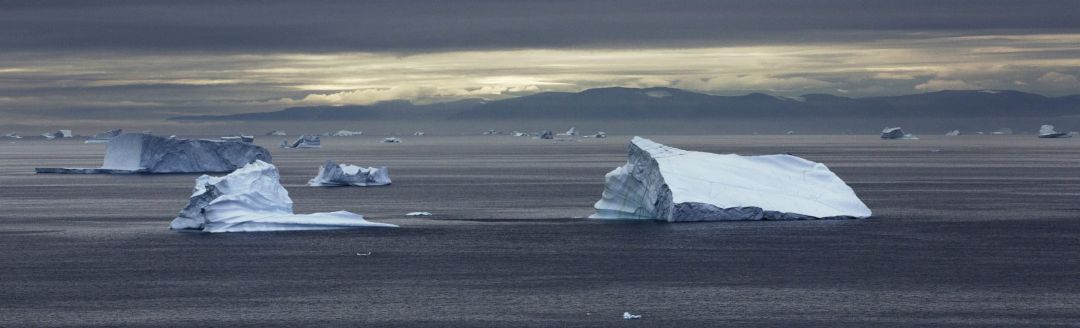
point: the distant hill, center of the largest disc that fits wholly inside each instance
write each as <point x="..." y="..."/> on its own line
<point x="653" y="103"/>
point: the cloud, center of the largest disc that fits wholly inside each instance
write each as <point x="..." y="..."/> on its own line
<point x="1059" y="79"/>
<point x="942" y="84"/>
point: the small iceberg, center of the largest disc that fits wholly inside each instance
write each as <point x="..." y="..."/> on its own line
<point x="277" y="133"/>
<point x="104" y="137"/>
<point x="418" y="134"/>
<point x="144" y="153"/>
<point x="520" y="134"/>
<point x="952" y="133"/>
<point x="334" y="175"/>
<point x="674" y="185"/>
<point x="347" y="133"/>
<point x="600" y="135"/>
<point x="59" y="134"/>
<point x="252" y="199"/>
<point x="628" y="316"/>
<point x="570" y="133"/>
<point x="1002" y="131"/>
<point x="392" y="140"/>
<point x="1047" y="131"/>
<point x="239" y="138"/>
<point x="491" y="133"/>
<point x="418" y="214"/>
<point x="307" y="141"/>
<point x="13" y="135"/>
<point x="547" y="134"/>
<point x="896" y="134"/>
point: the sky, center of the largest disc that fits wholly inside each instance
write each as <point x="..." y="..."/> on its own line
<point x="155" y="59"/>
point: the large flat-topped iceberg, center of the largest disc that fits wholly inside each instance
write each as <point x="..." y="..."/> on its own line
<point x="144" y="153"/>
<point x="333" y="175"/>
<point x="670" y="184"/>
<point x="252" y="199"/>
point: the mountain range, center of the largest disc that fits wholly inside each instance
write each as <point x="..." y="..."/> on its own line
<point x="655" y="103"/>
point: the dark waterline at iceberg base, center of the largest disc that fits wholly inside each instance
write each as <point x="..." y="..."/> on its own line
<point x="975" y="231"/>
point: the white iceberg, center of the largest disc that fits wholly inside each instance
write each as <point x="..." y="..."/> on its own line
<point x="490" y="132"/>
<point x="104" y="136"/>
<point x="572" y="132"/>
<point x="239" y="138"/>
<point x="144" y="153"/>
<point x="546" y="134"/>
<point x="13" y="135"/>
<point x="252" y="199"/>
<point x="418" y="134"/>
<point x="628" y="316"/>
<point x="307" y="141"/>
<point x="418" y="214"/>
<point x="669" y="184"/>
<point x="57" y="134"/>
<point x="600" y="135"/>
<point x="347" y="133"/>
<point x="1047" y="131"/>
<point x="897" y="133"/>
<point x="1002" y="131"/>
<point x="520" y="134"/>
<point x="277" y="133"/>
<point x="953" y="133"/>
<point x="332" y="175"/>
<point x="392" y="140"/>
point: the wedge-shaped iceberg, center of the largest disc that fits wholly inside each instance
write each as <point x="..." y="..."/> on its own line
<point x="252" y="199"/>
<point x="144" y="153"/>
<point x="1047" y="131"/>
<point x="669" y="184"/>
<point x="896" y="133"/>
<point x="104" y="136"/>
<point x="332" y="175"/>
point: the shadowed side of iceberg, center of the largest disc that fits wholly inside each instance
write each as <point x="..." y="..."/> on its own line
<point x="145" y="153"/>
<point x="670" y="184"/>
<point x="253" y="199"/>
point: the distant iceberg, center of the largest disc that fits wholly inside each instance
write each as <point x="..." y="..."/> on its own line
<point x="1002" y="131"/>
<point x="334" y="175"/>
<point x="239" y="138"/>
<point x="57" y="135"/>
<point x="277" y="133"/>
<point x="669" y="184"/>
<point x="418" y="134"/>
<point x="546" y="135"/>
<point x="13" y="135"/>
<point x="520" y="134"/>
<point x="104" y="136"/>
<point x="896" y="133"/>
<point x="307" y="141"/>
<point x="952" y="133"/>
<point x="572" y="132"/>
<point x="1047" y="131"/>
<point x="392" y="140"/>
<point x="347" y="133"/>
<point x="252" y="199"/>
<point x="600" y="135"/>
<point x="144" y="153"/>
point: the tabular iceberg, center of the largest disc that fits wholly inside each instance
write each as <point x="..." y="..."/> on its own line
<point x="104" y="136"/>
<point x="307" y="141"/>
<point x="1047" y="131"/>
<point x="332" y="174"/>
<point x="896" y="133"/>
<point x="144" y="153"/>
<point x="347" y="133"/>
<point x="252" y="199"/>
<point x="670" y="184"/>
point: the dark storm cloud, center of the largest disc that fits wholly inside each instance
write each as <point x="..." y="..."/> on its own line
<point x="419" y="26"/>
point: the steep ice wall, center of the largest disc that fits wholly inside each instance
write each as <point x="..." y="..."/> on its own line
<point x="332" y="174"/>
<point x="670" y="184"/>
<point x="252" y="199"/>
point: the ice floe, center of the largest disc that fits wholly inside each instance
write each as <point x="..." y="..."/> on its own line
<point x="670" y="184"/>
<point x="332" y="174"/>
<point x="252" y="199"/>
<point x="144" y="153"/>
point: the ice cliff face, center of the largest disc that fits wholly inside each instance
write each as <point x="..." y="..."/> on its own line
<point x="670" y="184"/>
<point x="152" y="154"/>
<point x="332" y="174"/>
<point x="252" y="199"/>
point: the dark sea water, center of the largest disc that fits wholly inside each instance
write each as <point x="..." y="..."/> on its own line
<point x="977" y="231"/>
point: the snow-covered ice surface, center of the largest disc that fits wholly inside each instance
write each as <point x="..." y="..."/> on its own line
<point x="105" y="136"/>
<point x="670" y="184"/>
<point x="1047" y="131"/>
<point x="252" y="199"/>
<point x="332" y="175"/>
<point x="144" y="153"/>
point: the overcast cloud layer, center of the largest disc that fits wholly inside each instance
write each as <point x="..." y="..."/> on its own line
<point x="154" y="59"/>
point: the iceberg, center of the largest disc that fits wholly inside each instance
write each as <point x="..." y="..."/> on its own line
<point x="674" y="185"/>
<point x="57" y="134"/>
<point x="104" y="136"/>
<point x="572" y="132"/>
<point x="547" y="135"/>
<point x="600" y="135"/>
<point x="520" y="134"/>
<point x="144" y="153"/>
<point x="277" y="133"/>
<point x="418" y="134"/>
<point x="347" y="133"/>
<point x="392" y="140"/>
<point x="1047" y="131"/>
<point x="418" y="214"/>
<point x="239" y="138"/>
<point x="896" y="133"/>
<point x="1002" y="131"/>
<point x="13" y="135"/>
<point x="491" y="132"/>
<point x="252" y="199"/>
<point x="953" y="133"/>
<point x="333" y="175"/>
<point x="307" y="141"/>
